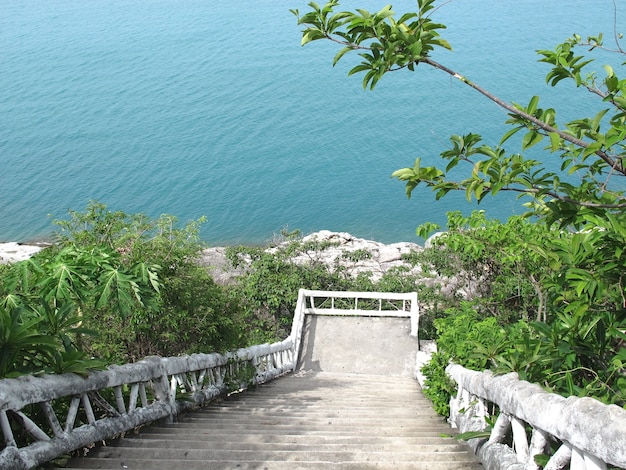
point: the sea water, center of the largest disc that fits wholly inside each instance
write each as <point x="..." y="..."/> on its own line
<point x="212" y="108"/>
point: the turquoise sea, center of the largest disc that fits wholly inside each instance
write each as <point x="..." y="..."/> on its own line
<point x="211" y="108"/>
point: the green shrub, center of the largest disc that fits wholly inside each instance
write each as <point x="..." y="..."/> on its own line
<point x="465" y="339"/>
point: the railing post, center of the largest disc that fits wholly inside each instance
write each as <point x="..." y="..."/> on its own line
<point x="591" y="432"/>
<point x="539" y="441"/>
<point x="161" y="387"/>
<point x="6" y="429"/>
<point x="297" y="325"/>
<point x="519" y="439"/>
<point x="415" y="315"/>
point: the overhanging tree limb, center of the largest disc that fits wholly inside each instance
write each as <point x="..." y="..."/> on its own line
<point x="613" y="163"/>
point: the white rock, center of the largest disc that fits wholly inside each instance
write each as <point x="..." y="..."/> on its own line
<point x="12" y="252"/>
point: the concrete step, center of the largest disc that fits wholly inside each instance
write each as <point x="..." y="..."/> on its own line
<point x="148" y="464"/>
<point x="309" y="420"/>
<point x="241" y="440"/>
<point x="277" y="434"/>
<point x="430" y="454"/>
<point x="375" y="445"/>
<point x="310" y="423"/>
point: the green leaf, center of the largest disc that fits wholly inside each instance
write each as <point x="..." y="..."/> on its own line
<point x="466" y="436"/>
<point x="507" y="135"/>
<point x="530" y="139"/>
<point x="532" y="105"/>
<point x="311" y="35"/>
<point x="555" y="141"/>
<point x="340" y="54"/>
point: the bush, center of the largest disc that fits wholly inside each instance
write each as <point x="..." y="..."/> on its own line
<point x="465" y="339"/>
<point x="132" y="280"/>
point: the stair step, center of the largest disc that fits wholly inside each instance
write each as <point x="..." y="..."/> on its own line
<point x="390" y="445"/>
<point x="313" y="440"/>
<point x="344" y="455"/>
<point x="299" y="433"/>
<point x="148" y="464"/>
<point x="313" y="430"/>
<point x="298" y="422"/>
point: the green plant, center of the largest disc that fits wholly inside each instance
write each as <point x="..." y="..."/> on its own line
<point x="438" y="386"/>
<point x="566" y="268"/>
<point x="269" y="287"/>
<point x="502" y="267"/>
<point x="122" y="286"/>
<point x="190" y="313"/>
<point x="273" y="275"/>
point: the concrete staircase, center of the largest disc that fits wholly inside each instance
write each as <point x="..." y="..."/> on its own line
<point x="353" y="404"/>
<point x="308" y="420"/>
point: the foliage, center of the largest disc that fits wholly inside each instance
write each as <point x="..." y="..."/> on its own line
<point x="24" y="349"/>
<point x="239" y="375"/>
<point x="438" y="386"/>
<point x="569" y="353"/>
<point x="132" y="280"/>
<point x="190" y="314"/>
<point x="52" y="294"/>
<point x="386" y="44"/>
<point x="269" y="287"/>
<point x="566" y="267"/>
<point x="273" y="275"/>
<point x="462" y="334"/>
<point x="501" y="266"/>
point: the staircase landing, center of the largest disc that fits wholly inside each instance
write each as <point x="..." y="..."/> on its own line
<point x="302" y="421"/>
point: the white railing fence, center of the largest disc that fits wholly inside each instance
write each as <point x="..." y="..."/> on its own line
<point x="587" y="434"/>
<point x="44" y="417"/>
<point x="375" y="304"/>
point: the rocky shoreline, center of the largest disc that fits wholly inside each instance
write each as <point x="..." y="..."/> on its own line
<point x="354" y="254"/>
<point x="344" y="249"/>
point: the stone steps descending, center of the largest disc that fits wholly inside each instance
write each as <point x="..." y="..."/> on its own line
<point x="309" y="420"/>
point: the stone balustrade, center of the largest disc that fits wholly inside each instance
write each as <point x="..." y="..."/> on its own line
<point x="376" y="304"/>
<point x="62" y="413"/>
<point x="66" y="412"/>
<point x="585" y="433"/>
<point x="59" y="414"/>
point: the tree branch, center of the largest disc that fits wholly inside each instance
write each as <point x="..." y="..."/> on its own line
<point x="539" y="123"/>
<point x="531" y="191"/>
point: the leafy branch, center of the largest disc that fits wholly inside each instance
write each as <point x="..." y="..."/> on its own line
<point x="387" y="44"/>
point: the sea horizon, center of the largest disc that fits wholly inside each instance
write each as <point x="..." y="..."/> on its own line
<point x="213" y="109"/>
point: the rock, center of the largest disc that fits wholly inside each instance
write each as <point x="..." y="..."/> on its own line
<point x="356" y="255"/>
<point x="350" y="252"/>
<point x="12" y="252"/>
<point x="219" y="266"/>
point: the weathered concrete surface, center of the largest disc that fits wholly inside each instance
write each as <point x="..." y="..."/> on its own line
<point x="585" y="423"/>
<point x="358" y="345"/>
<point x="309" y="420"/>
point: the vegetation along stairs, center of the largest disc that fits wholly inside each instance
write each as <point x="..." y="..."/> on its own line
<point x="352" y="403"/>
<point x="338" y="392"/>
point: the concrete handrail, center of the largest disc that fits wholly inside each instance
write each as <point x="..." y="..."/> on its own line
<point x="591" y="434"/>
<point x="110" y="402"/>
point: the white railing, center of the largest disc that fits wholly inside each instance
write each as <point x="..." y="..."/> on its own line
<point x="62" y="413"/>
<point x="378" y="304"/>
<point x="586" y="433"/>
